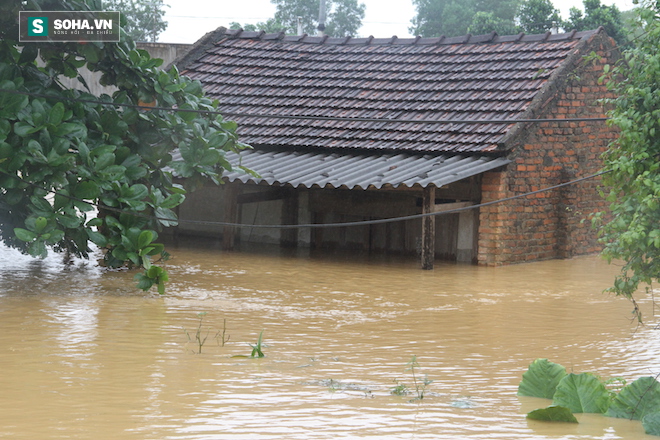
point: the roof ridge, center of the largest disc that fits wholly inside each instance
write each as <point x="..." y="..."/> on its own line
<point x="492" y="38"/>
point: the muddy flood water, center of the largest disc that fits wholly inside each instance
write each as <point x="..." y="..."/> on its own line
<point x="84" y="355"/>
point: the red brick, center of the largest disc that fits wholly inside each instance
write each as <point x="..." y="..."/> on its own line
<point x="539" y="227"/>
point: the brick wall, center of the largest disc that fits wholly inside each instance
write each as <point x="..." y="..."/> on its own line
<point x="552" y="224"/>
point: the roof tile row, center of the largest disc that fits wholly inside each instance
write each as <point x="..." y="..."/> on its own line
<point x="256" y="76"/>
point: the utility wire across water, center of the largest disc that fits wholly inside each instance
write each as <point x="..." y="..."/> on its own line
<point x="311" y="225"/>
<point x="323" y="118"/>
<point x="302" y="117"/>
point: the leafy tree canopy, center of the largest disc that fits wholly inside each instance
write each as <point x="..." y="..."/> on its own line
<point x="74" y="171"/>
<point x="458" y="17"/>
<point x="487" y="22"/>
<point x="596" y="15"/>
<point x="343" y="17"/>
<point x="538" y="16"/>
<point x="632" y="232"/>
<point x="143" y="18"/>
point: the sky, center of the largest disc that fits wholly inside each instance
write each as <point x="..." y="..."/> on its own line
<point x="188" y="20"/>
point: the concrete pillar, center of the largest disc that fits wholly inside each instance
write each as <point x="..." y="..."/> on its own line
<point x="428" y="228"/>
<point x="289" y="237"/>
<point x="466" y="236"/>
<point x="304" y="216"/>
<point x="230" y="216"/>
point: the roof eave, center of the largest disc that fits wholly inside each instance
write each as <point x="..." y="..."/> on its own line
<point x="198" y="49"/>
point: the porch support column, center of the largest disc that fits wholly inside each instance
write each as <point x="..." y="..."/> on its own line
<point x="428" y="228"/>
<point x="466" y="236"/>
<point x="289" y="237"/>
<point x="230" y="216"/>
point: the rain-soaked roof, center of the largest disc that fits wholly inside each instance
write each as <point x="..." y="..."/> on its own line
<point x="381" y="95"/>
<point x="355" y="170"/>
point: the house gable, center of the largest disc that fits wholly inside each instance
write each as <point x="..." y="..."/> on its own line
<point x="328" y="119"/>
<point x="566" y="147"/>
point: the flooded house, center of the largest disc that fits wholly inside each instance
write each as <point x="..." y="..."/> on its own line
<point x="440" y="134"/>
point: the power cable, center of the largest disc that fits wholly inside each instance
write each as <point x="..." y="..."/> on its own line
<point x="326" y="118"/>
<point x="396" y="219"/>
<point x="301" y="117"/>
<point x="312" y="225"/>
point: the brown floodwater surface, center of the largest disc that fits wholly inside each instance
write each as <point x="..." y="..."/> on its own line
<point x="83" y="354"/>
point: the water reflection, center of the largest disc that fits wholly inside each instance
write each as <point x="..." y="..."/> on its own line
<point x="87" y="355"/>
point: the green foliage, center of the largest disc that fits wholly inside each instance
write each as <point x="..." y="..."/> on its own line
<point x="486" y="22"/>
<point x="142" y="20"/>
<point x="541" y="379"/>
<point x="400" y="389"/>
<point x="257" y="349"/>
<point x="651" y="423"/>
<point x="578" y="393"/>
<point x="62" y="155"/>
<point x="271" y="26"/>
<point x="582" y="393"/>
<point x="553" y="414"/>
<point x="343" y="17"/>
<point x="636" y="400"/>
<point x="456" y="17"/>
<point x="595" y="15"/>
<point x="630" y="232"/>
<point x="419" y="384"/>
<point x="459" y="17"/>
<point x="441" y="17"/>
<point x="538" y="16"/>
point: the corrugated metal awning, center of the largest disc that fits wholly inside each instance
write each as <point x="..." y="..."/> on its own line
<point x="351" y="170"/>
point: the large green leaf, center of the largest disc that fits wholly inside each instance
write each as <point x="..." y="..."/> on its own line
<point x="137" y="192"/>
<point x="23" y="129"/>
<point x="166" y="217"/>
<point x="582" y="393"/>
<point x="553" y="414"/>
<point x="41" y="206"/>
<point x="145" y="238"/>
<point x="69" y="221"/>
<point x="56" y="114"/>
<point x="97" y="238"/>
<point x="541" y="379"/>
<point x="172" y="201"/>
<point x="40" y="224"/>
<point x="636" y="400"/>
<point x="6" y="150"/>
<point x="73" y="129"/>
<point x="87" y="190"/>
<point x="24" y="234"/>
<point x="651" y="423"/>
<point x="38" y="249"/>
<point x="11" y="105"/>
<point x="104" y="161"/>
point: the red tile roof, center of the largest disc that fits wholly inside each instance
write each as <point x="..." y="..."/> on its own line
<point x="256" y="76"/>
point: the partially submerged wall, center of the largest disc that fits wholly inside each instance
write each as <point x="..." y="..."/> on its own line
<point x="552" y="224"/>
<point x="264" y="205"/>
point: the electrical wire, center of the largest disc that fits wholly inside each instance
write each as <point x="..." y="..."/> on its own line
<point x="301" y="117"/>
<point x="311" y="225"/>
